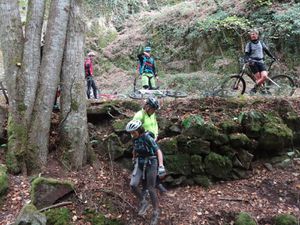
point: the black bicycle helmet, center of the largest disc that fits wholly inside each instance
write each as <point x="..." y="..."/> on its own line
<point x="153" y="103"/>
<point x="133" y="125"/>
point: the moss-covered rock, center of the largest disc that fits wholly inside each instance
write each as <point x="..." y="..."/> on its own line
<point x="197" y="164"/>
<point x="179" y="164"/>
<point x="30" y="215"/>
<point x="245" y="158"/>
<point x="244" y="219"/>
<point x="46" y="191"/>
<point x="59" y="216"/>
<point x="168" y="146"/>
<point x="202" y="180"/>
<point x="193" y="146"/>
<point x="252" y="123"/>
<point x="239" y="140"/>
<point x="230" y="126"/>
<point x="285" y="219"/>
<point x="275" y="138"/>
<point x="206" y="131"/>
<point x="120" y="124"/>
<point x="3" y="180"/>
<point x="217" y="165"/>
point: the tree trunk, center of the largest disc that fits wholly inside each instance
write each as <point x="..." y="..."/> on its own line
<point x="74" y="133"/>
<point x="12" y="47"/>
<point x="48" y="80"/>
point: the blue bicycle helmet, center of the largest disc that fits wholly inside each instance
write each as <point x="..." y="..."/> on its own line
<point x="147" y="49"/>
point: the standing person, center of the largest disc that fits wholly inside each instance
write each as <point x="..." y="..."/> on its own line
<point x="147" y="69"/>
<point x="254" y="54"/>
<point x="149" y="122"/>
<point x="89" y="73"/>
<point x="148" y="160"/>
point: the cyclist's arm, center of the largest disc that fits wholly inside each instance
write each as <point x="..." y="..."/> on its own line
<point x="247" y="52"/>
<point x="267" y="51"/>
<point x="138" y="116"/>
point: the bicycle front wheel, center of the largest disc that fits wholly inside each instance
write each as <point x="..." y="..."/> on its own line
<point x="281" y="85"/>
<point x="233" y="86"/>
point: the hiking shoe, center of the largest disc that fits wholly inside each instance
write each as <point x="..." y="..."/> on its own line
<point x="155" y="216"/>
<point x="144" y="206"/>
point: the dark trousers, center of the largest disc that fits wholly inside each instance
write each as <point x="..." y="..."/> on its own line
<point x="91" y="84"/>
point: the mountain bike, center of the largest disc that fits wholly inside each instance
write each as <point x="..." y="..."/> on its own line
<point x="279" y="85"/>
<point x="159" y="93"/>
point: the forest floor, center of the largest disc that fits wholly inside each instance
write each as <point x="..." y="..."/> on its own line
<point x="104" y="187"/>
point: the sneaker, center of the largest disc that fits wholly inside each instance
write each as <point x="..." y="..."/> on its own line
<point x="155" y="216"/>
<point x="144" y="206"/>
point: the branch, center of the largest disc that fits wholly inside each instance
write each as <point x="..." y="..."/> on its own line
<point x="55" y="206"/>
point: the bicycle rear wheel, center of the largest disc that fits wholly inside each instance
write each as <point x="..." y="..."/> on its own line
<point x="233" y="86"/>
<point x="282" y="85"/>
<point x="176" y="94"/>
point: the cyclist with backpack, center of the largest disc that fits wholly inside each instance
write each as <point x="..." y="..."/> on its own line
<point x="254" y="54"/>
<point x="89" y="73"/>
<point x="148" y="118"/>
<point x="148" y="163"/>
<point x="147" y="69"/>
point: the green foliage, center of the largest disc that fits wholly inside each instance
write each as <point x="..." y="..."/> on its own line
<point x="193" y="120"/>
<point x="244" y="219"/>
<point x="288" y="21"/>
<point x="285" y="219"/>
<point x="59" y="216"/>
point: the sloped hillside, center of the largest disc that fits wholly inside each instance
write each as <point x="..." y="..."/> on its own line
<point x="193" y="38"/>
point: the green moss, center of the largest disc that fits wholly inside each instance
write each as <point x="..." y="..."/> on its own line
<point x="59" y="216"/>
<point x="132" y="105"/>
<point x="3" y="179"/>
<point x="119" y="125"/>
<point x="239" y="140"/>
<point x="99" y="219"/>
<point x="12" y="162"/>
<point x="197" y="164"/>
<point x="244" y="219"/>
<point x="202" y="180"/>
<point x="168" y="145"/>
<point x="285" y="219"/>
<point x="229" y="126"/>
<point x="217" y="165"/>
<point x="178" y="164"/>
<point x="42" y="180"/>
<point x="192" y="121"/>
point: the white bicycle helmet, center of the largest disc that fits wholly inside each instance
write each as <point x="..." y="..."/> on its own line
<point x="91" y="54"/>
<point x="133" y="125"/>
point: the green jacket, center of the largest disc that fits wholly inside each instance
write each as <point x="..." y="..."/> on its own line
<point x="149" y="122"/>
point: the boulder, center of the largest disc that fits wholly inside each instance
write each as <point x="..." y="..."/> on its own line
<point x="193" y="146"/>
<point x="245" y="158"/>
<point x="46" y="191"/>
<point x="179" y="164"/>
<point x="230" y="126"/>
<point x="217" y="165"/>
<point x="202" y="180"/>
<point x="239" y="140"/>
<point x="252" y="123"/>
<point x="275" y="138"/>
<point x="197" y="164"/>
<point x="29" y="215"/>
<point x="168" y="146"/>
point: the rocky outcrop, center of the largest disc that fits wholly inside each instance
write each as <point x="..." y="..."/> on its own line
<point x="29" y="215"/>
<point x="201" y="152"/>
<point x="46" y="191"/>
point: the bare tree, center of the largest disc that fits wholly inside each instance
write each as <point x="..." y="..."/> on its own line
<point x="32" y="80"/>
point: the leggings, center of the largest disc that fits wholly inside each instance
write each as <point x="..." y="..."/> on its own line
<point x="150" y="175"/>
